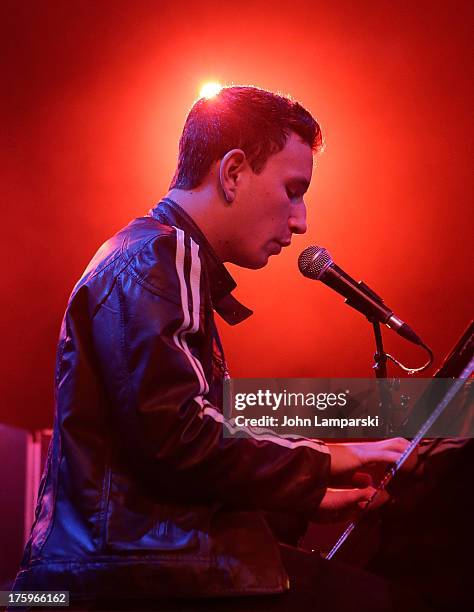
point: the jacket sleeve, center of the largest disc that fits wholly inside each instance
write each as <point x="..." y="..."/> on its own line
<point x="148" y="336"/>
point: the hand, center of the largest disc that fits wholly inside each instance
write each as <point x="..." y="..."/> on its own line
<point x="346" y="504"/>
<point x="349" y="458"/>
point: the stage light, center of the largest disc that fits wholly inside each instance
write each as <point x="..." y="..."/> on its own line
<point x="210" y="89"/>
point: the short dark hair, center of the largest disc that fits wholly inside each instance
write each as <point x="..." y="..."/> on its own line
<point x="247" y="118"/>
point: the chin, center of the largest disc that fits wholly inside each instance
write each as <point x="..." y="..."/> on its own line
<point x="252" y="263"/>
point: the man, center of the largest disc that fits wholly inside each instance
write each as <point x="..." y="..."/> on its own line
<point x="143" y="499"/>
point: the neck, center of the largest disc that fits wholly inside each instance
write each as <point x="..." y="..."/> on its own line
<point x="205" y="209"/>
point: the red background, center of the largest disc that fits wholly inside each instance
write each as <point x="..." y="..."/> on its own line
<point x="95" y="96"/>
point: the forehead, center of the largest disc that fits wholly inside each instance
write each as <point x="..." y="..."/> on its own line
<point x="296" y="158"/>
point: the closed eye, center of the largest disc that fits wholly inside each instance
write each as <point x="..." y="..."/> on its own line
<point x="293" y="195"/>
<point x="296" y="188"/>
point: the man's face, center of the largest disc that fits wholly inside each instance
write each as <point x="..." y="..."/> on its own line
<point x="269" y="206"/>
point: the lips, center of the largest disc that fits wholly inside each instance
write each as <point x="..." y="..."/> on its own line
<point x="277" y="245"/>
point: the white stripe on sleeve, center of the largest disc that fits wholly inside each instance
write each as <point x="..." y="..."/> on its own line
<point x="190" y="325"/>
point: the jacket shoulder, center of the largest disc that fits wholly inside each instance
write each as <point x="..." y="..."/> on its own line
<point x="157" y="256"/>
<point x="149" y="253"/>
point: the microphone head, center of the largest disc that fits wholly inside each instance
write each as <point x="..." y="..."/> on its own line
<point x="314" y="261"/>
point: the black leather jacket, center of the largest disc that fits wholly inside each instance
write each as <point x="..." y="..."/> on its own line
<point x="142" y="495"/>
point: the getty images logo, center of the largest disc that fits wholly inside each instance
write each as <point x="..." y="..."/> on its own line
<point x="269" y="399"/>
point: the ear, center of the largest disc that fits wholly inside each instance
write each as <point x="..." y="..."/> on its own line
<point x="230" y="168"/>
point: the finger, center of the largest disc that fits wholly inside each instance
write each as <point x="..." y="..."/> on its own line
<point x="378" y="456"/>
<point x="362" y="496"/>
<point x="377" y="499"/>
<point x="393" y="444"/>
<point x="399" y="446"/>
<point x="389" y="457"/>
<point x="382" y="451"/>
<point x="339" y="500"/>
<point x="342" y="504"/>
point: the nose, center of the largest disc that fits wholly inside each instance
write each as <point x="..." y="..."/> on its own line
<point x="297" y="219"/>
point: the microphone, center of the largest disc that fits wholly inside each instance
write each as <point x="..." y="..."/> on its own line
<point x="316" y="263"/>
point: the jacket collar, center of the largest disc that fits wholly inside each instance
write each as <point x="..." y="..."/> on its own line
<point x="222" y="284"/>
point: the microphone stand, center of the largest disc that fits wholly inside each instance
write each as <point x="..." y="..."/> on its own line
<point x="380" y="368"/>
